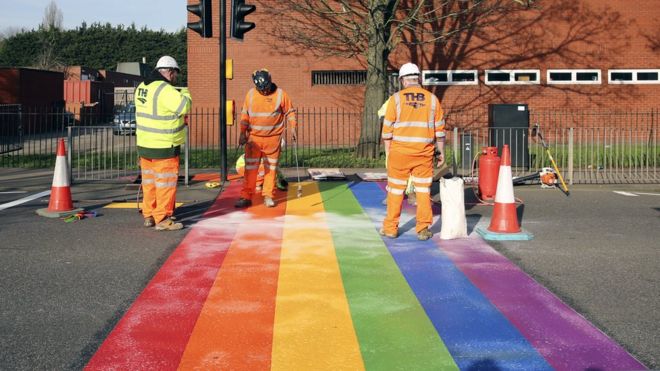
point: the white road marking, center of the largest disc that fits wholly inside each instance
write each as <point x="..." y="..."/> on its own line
<point x="626" y="193"/>
<point x="11" y="192"/>
<point x="648" y="194"/>
<point x="24" y="200"/>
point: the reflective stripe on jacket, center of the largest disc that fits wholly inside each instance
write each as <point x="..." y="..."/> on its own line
<point x="413" y="121"/>
<point x="159" y="112"/>
<point x="267" y="115"/>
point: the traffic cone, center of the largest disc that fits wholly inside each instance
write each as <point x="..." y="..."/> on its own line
<point x="60" y="203"/>
<point x="504" y="222"/>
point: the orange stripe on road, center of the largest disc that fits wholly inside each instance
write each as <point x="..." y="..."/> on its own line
<point x="235" y="328"/>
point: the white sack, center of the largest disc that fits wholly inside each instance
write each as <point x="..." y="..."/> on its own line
<point x="454" y="224"/>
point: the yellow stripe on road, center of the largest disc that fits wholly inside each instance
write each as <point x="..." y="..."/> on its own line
<point x="313" y="327"/>
<point x="130" y="205"/>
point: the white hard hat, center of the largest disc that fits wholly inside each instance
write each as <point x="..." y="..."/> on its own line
<point x="408" y="69"/>
<point x="167" y="62"/>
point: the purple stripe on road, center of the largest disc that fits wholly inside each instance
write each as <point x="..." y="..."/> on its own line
<point x="566" y="339"/>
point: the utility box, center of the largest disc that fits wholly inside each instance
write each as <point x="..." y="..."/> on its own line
<point x="509" y="124"/>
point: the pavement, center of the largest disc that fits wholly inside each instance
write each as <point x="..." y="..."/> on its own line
<point x="65" y="286"/>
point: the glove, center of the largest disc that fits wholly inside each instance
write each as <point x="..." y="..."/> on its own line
<point x="294" y="135"/>
<point x="440" y="156"/>
<point x="242" y="139"/>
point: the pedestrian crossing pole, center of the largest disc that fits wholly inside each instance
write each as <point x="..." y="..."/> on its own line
<point x="223" y="90"/>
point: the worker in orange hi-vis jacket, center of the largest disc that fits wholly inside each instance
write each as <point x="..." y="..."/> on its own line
<point x="413" y="132"/>
<point x="267" y="110"/>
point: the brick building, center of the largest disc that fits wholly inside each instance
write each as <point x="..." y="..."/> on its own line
<point x="581" y="54"/>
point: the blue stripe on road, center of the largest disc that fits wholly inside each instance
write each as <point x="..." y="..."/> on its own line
<point x="475" y="332"/>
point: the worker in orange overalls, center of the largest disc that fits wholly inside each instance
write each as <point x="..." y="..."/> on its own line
<point x="413" y="132"/>
<point x="410" y="189"/>
<point x="267" y="110"/>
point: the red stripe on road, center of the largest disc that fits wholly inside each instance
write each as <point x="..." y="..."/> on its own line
<point x="154" y="332"/>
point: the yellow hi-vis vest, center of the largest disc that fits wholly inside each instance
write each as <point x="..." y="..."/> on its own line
<point x="159" y="112"/>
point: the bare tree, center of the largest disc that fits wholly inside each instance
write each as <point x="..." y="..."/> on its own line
<point x="52" y="17"/>
<point x="10" y="31"/>
<point x="439" y="34"/>
<point x="51" y="24"/>
<point x="369" y="30"/>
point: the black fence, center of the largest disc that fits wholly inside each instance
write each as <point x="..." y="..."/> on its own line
<point x="603" y="146"/>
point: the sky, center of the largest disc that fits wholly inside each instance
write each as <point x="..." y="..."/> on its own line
<point x="170" y="15"/>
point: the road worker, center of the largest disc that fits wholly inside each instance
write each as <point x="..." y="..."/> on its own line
<point x="267" y="111"/>
<point x="413" y="132"/>
<point x="410" y="189"/>
<point x="160" y="131"/>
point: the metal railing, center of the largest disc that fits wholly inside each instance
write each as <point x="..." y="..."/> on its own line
<point x="583" y="155"/>
<point x="589" y="147"/>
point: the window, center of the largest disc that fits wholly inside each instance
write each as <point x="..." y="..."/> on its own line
<point x="634" y="76"/>
<point x="512" y="77"/>
<point x="339" y="77"/>
<point x="454" y="77"/>
<point x="573" y="77"/>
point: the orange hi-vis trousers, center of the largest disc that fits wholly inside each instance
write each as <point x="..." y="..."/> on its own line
<point x="255" y="149"/>
<point x="159" y="177"/>
<point x="399" y="168"/>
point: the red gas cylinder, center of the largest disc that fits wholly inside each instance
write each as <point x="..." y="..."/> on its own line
<point x="489" y="170"/>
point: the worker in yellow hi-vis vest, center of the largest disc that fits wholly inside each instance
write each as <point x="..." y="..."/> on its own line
<point x="160" y="111"/>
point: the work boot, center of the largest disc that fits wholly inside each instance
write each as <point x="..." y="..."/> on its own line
<point x="282" y="184"/>
<point x="242" y="203"/>
<point x="424" y="234"/>
<point x="149" y="222"/>
<point x="269" y="202"/>
<point x="412" y="199"/>
<point x="168" y="225"/>
<point x="388" y="235"/>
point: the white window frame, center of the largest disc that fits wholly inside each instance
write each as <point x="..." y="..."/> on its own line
<point x="450" y="74"/>
<point x="512" y="76"/>
<point x="634" y="78"/>
<point x="573" y="80"/>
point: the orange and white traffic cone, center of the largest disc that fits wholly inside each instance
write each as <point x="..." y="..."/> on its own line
<point x="504" y="222"/>
<point x="60" y="203"/>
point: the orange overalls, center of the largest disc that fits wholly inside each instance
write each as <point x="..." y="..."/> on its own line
<point x="240" y="170"/>
<point x="159" y="178"/>
<point x="413" y="122"/>
<point x="264" y="118"/>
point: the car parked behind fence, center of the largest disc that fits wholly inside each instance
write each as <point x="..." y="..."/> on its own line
<point x="124" y="122"/>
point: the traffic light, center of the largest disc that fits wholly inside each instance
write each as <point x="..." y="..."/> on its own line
<point x="239" y="9"/>
<point x="203" y="11"/>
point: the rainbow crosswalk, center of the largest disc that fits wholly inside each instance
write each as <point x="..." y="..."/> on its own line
<point x="311" y="285"/>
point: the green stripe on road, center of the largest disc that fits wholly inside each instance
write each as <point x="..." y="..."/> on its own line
<point x="392" y="327"/>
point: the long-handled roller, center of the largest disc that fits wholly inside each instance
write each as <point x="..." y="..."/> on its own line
<point x="295" y="154"/>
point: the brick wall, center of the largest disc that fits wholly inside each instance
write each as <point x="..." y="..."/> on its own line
<point x="576" y="34"/>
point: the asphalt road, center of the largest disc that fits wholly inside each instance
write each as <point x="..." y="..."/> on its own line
<point x="65" y="285"/>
